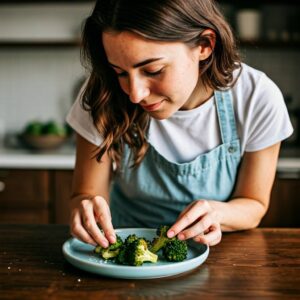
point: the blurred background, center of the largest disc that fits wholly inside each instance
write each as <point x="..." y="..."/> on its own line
<point x="40" y="75"/>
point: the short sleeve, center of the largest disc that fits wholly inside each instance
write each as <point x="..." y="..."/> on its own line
<point x="268" y="121"/>
<point x="81" y="121"/>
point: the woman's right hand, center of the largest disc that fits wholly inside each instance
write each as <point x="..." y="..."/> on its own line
<point x="91" y="221"/>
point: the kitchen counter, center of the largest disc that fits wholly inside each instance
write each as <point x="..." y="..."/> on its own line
<point x="289" y="160"/>
<point x="256" y="264"/>
<point x="64" y="158"/>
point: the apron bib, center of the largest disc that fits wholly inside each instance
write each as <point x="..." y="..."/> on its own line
<point x="158" y="190"/>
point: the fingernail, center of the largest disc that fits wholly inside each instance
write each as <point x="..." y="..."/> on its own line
<point x="105" y="244"/>
<point x="181" y="236"/>
<point x="170" y="234"/>
<point x="112" y="239"/>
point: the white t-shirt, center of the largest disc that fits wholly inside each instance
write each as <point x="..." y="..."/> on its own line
<point x="260" y="111"/>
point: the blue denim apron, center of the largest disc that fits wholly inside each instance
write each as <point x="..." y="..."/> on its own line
<point x="158" y="190"/>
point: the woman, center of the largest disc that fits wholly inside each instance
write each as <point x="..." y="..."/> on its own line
<point x="173" y="128"/>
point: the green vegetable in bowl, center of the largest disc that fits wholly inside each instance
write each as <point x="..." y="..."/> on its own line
<point x="37" y="128"/>
<point x="34" y="128"/>
<point x="53" y="128"/>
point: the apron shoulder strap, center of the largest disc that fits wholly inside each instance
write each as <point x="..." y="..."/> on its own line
<point x="226" y="115"/>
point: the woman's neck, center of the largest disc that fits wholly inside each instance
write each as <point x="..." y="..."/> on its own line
<point x="200" y="95"/>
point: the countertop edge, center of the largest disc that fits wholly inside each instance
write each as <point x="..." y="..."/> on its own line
<point x="65" y="160"/>
<point x="20" y="159"/>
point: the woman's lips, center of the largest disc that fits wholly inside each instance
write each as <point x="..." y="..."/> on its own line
<point x="152" y="107"/>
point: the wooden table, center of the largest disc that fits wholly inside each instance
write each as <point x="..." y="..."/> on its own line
<point x="258" y="264"/>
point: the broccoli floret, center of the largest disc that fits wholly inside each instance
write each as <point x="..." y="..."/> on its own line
<point x="117" y="244"/>
<point x="162" y="230"/>
<point x="161" y="240"/>
<point x="98" y="249"/>
<point x="149" y="243"/>
<point x="109" y="254"/>
<point x="111" y="251"/>
<point x="130" y="238"/>
<point x="175" y="250"/>
<point x="122" y="256"/>
<point x="138" y="253"/>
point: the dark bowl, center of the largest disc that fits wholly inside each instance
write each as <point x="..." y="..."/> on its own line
<point x="43" y="142"/>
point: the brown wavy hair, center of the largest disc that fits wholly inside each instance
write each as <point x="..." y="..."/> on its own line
<point x="117" y="119"/>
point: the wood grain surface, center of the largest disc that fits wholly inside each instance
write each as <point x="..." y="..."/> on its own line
<point x="255" y="264"/>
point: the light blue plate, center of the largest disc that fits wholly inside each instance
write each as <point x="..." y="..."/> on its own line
<point x="81" y="255"/>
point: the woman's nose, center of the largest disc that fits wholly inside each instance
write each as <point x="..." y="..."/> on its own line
<point x="138" y="90"/>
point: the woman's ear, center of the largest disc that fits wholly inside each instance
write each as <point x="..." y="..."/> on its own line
<point x="207" y="46"/>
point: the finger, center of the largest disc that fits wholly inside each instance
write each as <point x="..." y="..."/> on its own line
<point x="78" y="231"/>
<point x="198" y="228"/>
<point x="89" y="223"/>
<point x="186" y="209"/>
<point x="212" y="238"/>
<point x="197" y="210"/>
<point x="103" y="216"/>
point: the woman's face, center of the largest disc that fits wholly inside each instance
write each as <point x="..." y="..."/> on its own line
<point x="162" y="77"/>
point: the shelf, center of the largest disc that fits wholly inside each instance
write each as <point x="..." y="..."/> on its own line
<point x="269" y="44"/>
<point x="44" y="1"/>
<point x="39" y="44"/>
<point x="234" y="2"/>
<point x="76" y="43"/>
<point x="251" y="3"/>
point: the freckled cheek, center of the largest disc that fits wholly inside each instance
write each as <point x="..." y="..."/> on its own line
<point x="164" y="88"/>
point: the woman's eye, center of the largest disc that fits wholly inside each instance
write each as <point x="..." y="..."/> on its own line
<point x="153" y="73"/>
<point x="123" y="74"/>
<point x="148" y="73"/>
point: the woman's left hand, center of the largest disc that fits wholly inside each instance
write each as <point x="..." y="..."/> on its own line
<point x="199" y="221"/>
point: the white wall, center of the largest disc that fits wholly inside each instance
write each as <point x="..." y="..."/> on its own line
<point x="42" y="21"/>
<point x="38" y="82"/>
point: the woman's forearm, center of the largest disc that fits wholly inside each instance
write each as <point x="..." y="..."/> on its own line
<point x="239" y="213"/>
